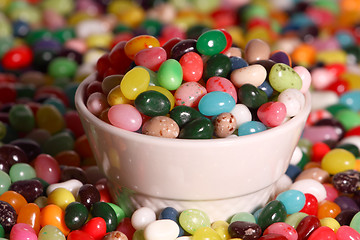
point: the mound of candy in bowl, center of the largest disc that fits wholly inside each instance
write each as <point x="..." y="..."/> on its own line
<point x="194" y="123"/>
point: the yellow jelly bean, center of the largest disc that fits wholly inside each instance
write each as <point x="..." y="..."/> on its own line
<point x="134" y="82"/>
<point x="61" y="197"/>
<point x="258" y="33"/>
<point x="166" y="92"/>
<point x="237" y="35"/>
<point x="221" y="227"/>
<point x="330" y="222"/>
<point x="331" y="56"/>
<point x="353" y="80"/>
<point x="78" y="17"/>
<point x="92" y="55"/>
<point x="99" y="40"/>
<point x="206" y="233"/>
<point x="127" y="12"/>
<point x="136" y="44"/>
<point x="338" y="160"/>
<point x="115" y="97"/>
<point x="49" y="118"/>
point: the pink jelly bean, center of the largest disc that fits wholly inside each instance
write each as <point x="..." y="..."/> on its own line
<point x="53" y="20"/>
<point x="272" y="114"/>
<point x="152" y="58"/>
<point x="320" y="134"/>
<point x="125" y="116"/>
<point x="305" y="77"/>
<point x="189" y="94"/>
<point x="221" y="84"/>
<point x="97" y="103"/>
<point x="192" y="66"/>
<point x="323" y="233"/>
<point x="22" y="231"/>
<point x="331" y="192"/>
<point x="322" y="78"/>
<point x="47" y="168"/>
<point x="283" y="229"/>
<point x="76" y="44"/>
<point x="346" y="232"/>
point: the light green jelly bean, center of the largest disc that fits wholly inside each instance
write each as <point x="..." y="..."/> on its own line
<point x="193" y="219"/>
<point x="6" y="44"/>
<point x="295" y="218"/>
<point x="63" y="7"/>
<point x="355" y="222"/>
<point x="50" y="232"/>
<point x="5" y="182"/>
<point x="282" y="77"/>
<point x="138" y="235"/>
<point x="21" y="171"/>
<point x="170" y="74"/>
<point x="62" y="67"/>
<point x="120" y="214"/>
<point x="348" y="118"/>
<point x="243" y="216"/>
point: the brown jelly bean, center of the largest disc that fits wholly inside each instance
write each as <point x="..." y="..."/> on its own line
<point x="29" y="146"/>
<point x="182" y="47"/>
<point x="88" y="195"/>
<point x="244" y="230"/>
<point x="71" y="172"/>
<point x="345" y="217"/>
<point x="29" y="189"/>
<point x="7" y="216"/>
<point x="9" y="155"/>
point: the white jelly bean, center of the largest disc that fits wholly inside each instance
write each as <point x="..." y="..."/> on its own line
<point x="254" y="74"/>
<point x="297" y="155"/>
<point x="142" y="217"/>
<point x="310" y="186"/>
<point x="90" y="27"/>
<point x="72" y="185"/>
<point x="323" y="99"/>
<point x="163" y="229"/>
<point x="241" y="113"/>
<point x="294" y="101"/>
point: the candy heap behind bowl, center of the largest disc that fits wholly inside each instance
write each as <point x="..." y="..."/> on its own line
<point x="219" y="175"/>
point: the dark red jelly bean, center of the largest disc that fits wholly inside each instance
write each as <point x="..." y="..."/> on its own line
<point x="30" y="147"/>
<point x="88" y="195"/>
<point x="9" y="155"/>
<point x="306" y="226"/>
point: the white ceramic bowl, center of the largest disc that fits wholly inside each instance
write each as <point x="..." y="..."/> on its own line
<point x="219" y="176"/>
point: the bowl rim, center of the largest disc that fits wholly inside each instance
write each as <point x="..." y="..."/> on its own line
<point x="85" y="113"/>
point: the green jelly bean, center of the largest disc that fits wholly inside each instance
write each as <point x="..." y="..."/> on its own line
<point x="50" y="232"/>
<point x="217" y="65"/>
<point x="2" y="231"/>
<point x="335" y="108"/>
<point x="63" y="7"/>
<point x="37" y="35"/>
<point x="211" y="42"/>
<point x="105" y="211"/>
<point x="252" y="96"/>
<point x="170" y="74"/>
<point x="273" y="212"/>
<point x="2" y="130"/>
<point x="25" y="91"/>
<point x="355" y="222"/>
<point x="59" y="142"/>
<point x="282" y="77"/>
<point x="62" y="67"/>
<point x="5" y="182"/>
<point x="351" y="148"/>
<point x="120" y="214"/>
<point x="41" y="201"/>
<point x="295" y="218"/>
<point x="199" y="128"/>
<point x="152" y="27"/>
<point x="193" y="219"/>
<point x="303" y="161"/>
<point x="244" y="217"/>
<point x="21" y="118"/>
<point x="348" y="118"/>
<point x="64" y="34"/>
<point x="183" y="114"/>
<point x="21" y="171"/>
<point x="152" y="103"/>
<point x="252" y="11"/>
<point x="76" y="215"/>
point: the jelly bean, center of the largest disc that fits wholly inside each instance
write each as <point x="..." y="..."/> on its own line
<point x="211" y="42"/>
<point x="131" y="122"/>
<point x="11" y="154"/>
<point x="30" y="214"/>
<point x="321" y="78"/>
<point x="88" y="195"/>
<point x="293" y="200"/>
<point x="97" y="103"/>
<point x="321" y="133"/>
<point x="49" y="118"/>
<point x="242" y="114"/>
<point x="199" y="128"/>
<point x="345" y="217"/>
<point x="170" y="74"/>
<point x="221" y="84"/>
<point x="294" y="101"/>
<point x="134" y="82"/>
<point x="328" y="209"/>
<point x="61" y="197"/>
<point x="151" y="58"/>
<point x="295" y="218"/>
<point x="30" y="147"/>
<point x="72" y="172"/>
<point x="215" y="103"/>
<point x="319" y="149"/>
<point x="51" y="232"/>
<point x="274" y="211"/>
<point x="345" y="203"/>
<point x="54" y="215"/>
<point x="29" y="189"/>
<point x="61" y="67"/>
<point x="5" y="182"/>
<point x="282" y="77"/>
<point x="345" y="232"/>
<point x="244" y="230"/>
<point x="2" y="232"/>
<point x="192" y="66"/>
<point x="224" y="125"/>
<point x="189" y="94"/>
<point x="272" y="236"/>
<point x="22" y="231"/>
<point x="78" y="235"/>
<point x="350" y="99"/>
<point x="184" y="114"/>
<point x="7" y="216"/>
<point x="161" y="126"/>
<point x="142" y="217"/>
<point x="21" y="118"/>
<point x="193" y="219"/>
<point x="355" y="222"/>
<point x="136" y="44"/>
<point x="152" y="103"/>
<point x="307" y="226"/>
<point x="182" y="47"/>
<point x="72" y="185"/>
<point x="311" y="205"/>
<point x="244" y="217"/>
<point x="314" y="173"/>
<point x="251" y="96"/>
<point x="126" y="227"/>
<point x="161" y="229"/>
<point x="272" y="114"/>
<point x="75" y="216"/>
<point x="293" y="171"/>
<point x="283" y="229"/>
<point x="217" y="65"/>
<point x="164" y="91"/>
<point x="338" y="160"/>
<point x="96" y="227"/>
<point x="330" y="222"/>
<point x="21" y="171"/>
<point x="17" y="58"/>
<point x="251" y="127"/>
<point x="348" y="118"/>
<point x="47" y="168"/>
<point x="119" y="212"/>
<point x="323" y="232"/>
<point x="105" y="211"/>
<point x="257" y="49"/>
<point x="41" y="201"/>
<point x="310" y="186"/>
<point x="221" y="228"/>
<point x="351" y="148"/>
<point x="254" y="74"/>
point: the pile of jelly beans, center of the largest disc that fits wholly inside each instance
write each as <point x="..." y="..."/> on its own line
<point x="50" y="187"/>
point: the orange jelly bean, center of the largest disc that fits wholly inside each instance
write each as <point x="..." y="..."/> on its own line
<point x="328" y="209"/>
<point x="304" y="54"/>
<point x="68" y="158"/>
<point x="82" y="147"/>
<point x="30" y="214"/>
<point x="139" y="43"/>
<point x="16" y="200"/>
<point x="54" y="215"/>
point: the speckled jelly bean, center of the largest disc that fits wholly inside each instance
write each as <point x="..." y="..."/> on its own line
<point x="161" y="126"/>
<point x="193" y="219"/>
<point x="283" y="229"/>
<point x="115" y="235"/>
<point x="282" y="77"/>
<point x="244" y="230"/>
<point x="7" y="216"/>
<point x="346" y="182"/>
<point x="192" y="66"/>
<point x="189" y="94"/>
<point x="215" y="103"/>
<point x="50" y="232"/>
<point x="125" y="116"/>
<point x="221" y="84"/>
<point x="224" y="125"/>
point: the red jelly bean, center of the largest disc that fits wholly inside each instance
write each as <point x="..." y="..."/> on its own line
<point x="283" y="229"/>
<point x="7" y="92"/>
<point x="353" y="132"/>
<point x="82" y="147"/>
<point x="95" y="227"/>
<point x="192" y="66"/>
<point x="79" y="235"/>
<point x="339" y="87"/>
<point x="318" y="151"/>
<point x="307" y="226"/>
<point x="167" y="46"/>
<point x="228" y="40"/>
<point x="73" y="122"/>
<point x="53" y="90"/>
<point x="273" y="236"/>
<point x="331" y="192"/>
<point x="224" y="17"/>
<point x="126" y="228"/>
<point x="311" y="205"/>
<point x="117" y="59"/>
<point x="68" y="158"/>
<point x="47" y="168"/>
<point x="152" y="58"/>
<point x="323" y="233"/>
<point x="103" y="64"/>
<point x="17" y="58"/>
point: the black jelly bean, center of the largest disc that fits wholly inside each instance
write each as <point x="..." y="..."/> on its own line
<point x="347" y="182"/>
<point x="346" y="203"/>
<point x="88" y="195"/>
<point x="307" y="226"/>
<point x="31" y="148"/>
<point x="244" y="230"/>
<point x="182" y="47"/>
<point x="29" y="189"/>
<point x="71" y="172"/>
<point x="9" y="155"/>
<point x="345" y="217"/>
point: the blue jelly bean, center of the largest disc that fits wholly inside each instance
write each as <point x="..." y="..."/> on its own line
<point x="237" y="62"/>
<point x="345" y="39"/>
<point x="293" y="171"/>
<point x="293" y="200"/>
<point x="256" y="214"/>
<point x="267" y="88"/>
<point x="20" y="28"/>
<point x="351" y="99"/>
<point x="251" y="127"/>
<point x="172" y="214"/>
<point x="215" y="103"/>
